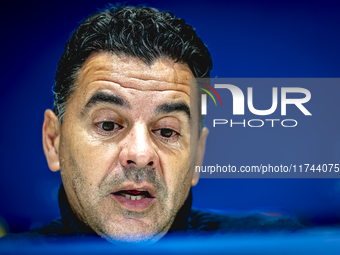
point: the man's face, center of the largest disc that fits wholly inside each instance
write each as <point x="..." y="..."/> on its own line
<point x="124" y="148"/>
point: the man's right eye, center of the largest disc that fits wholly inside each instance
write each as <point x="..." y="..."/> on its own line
<point x="108" y="126"/>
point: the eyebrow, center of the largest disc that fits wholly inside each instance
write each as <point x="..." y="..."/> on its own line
<point x="173" y="107"/>
<point x="101" y="97"/>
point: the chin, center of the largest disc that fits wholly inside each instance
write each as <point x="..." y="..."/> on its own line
<point x="132" y="232"/>
<point x="133" y="238"/>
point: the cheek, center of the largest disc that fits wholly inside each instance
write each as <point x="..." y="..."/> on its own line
<point x="175" y="169"/>
<point x="92" y="159"/>
<point x="177" y="177"/>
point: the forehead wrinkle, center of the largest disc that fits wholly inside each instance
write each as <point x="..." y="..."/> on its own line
<point x="109" y="74"/>
<point x="131" y="66"/>
<point x="145" y="85"/>
<point x="132" y="72"/>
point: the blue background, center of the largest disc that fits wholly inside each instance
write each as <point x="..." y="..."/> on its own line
<point x="246" y="39"/>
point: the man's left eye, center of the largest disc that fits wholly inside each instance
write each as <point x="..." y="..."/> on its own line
<point x="167" y="133"/>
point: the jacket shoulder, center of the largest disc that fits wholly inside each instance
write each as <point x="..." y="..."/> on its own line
<point x="202" y="220"/>
<point x="52" y="229"/>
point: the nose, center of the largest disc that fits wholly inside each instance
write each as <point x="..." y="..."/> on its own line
<point x="138" y="148"/>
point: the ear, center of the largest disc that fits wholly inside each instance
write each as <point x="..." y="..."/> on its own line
<point x="200" y="155"/>
<point x="51" y="138"/>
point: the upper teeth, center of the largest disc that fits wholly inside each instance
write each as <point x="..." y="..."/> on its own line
<point x="132" y="197"/>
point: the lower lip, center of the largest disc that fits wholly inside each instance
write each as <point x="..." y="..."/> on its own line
<point x="134" y="205"/>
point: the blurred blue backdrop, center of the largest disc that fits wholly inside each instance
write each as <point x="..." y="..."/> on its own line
<point x="246" y="39"/>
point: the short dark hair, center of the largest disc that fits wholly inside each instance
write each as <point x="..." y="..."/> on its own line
<point x="142" y="32"/>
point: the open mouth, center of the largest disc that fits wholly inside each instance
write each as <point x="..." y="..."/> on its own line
<point x="135" y="194"/>
<point x="135" y="198"/>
